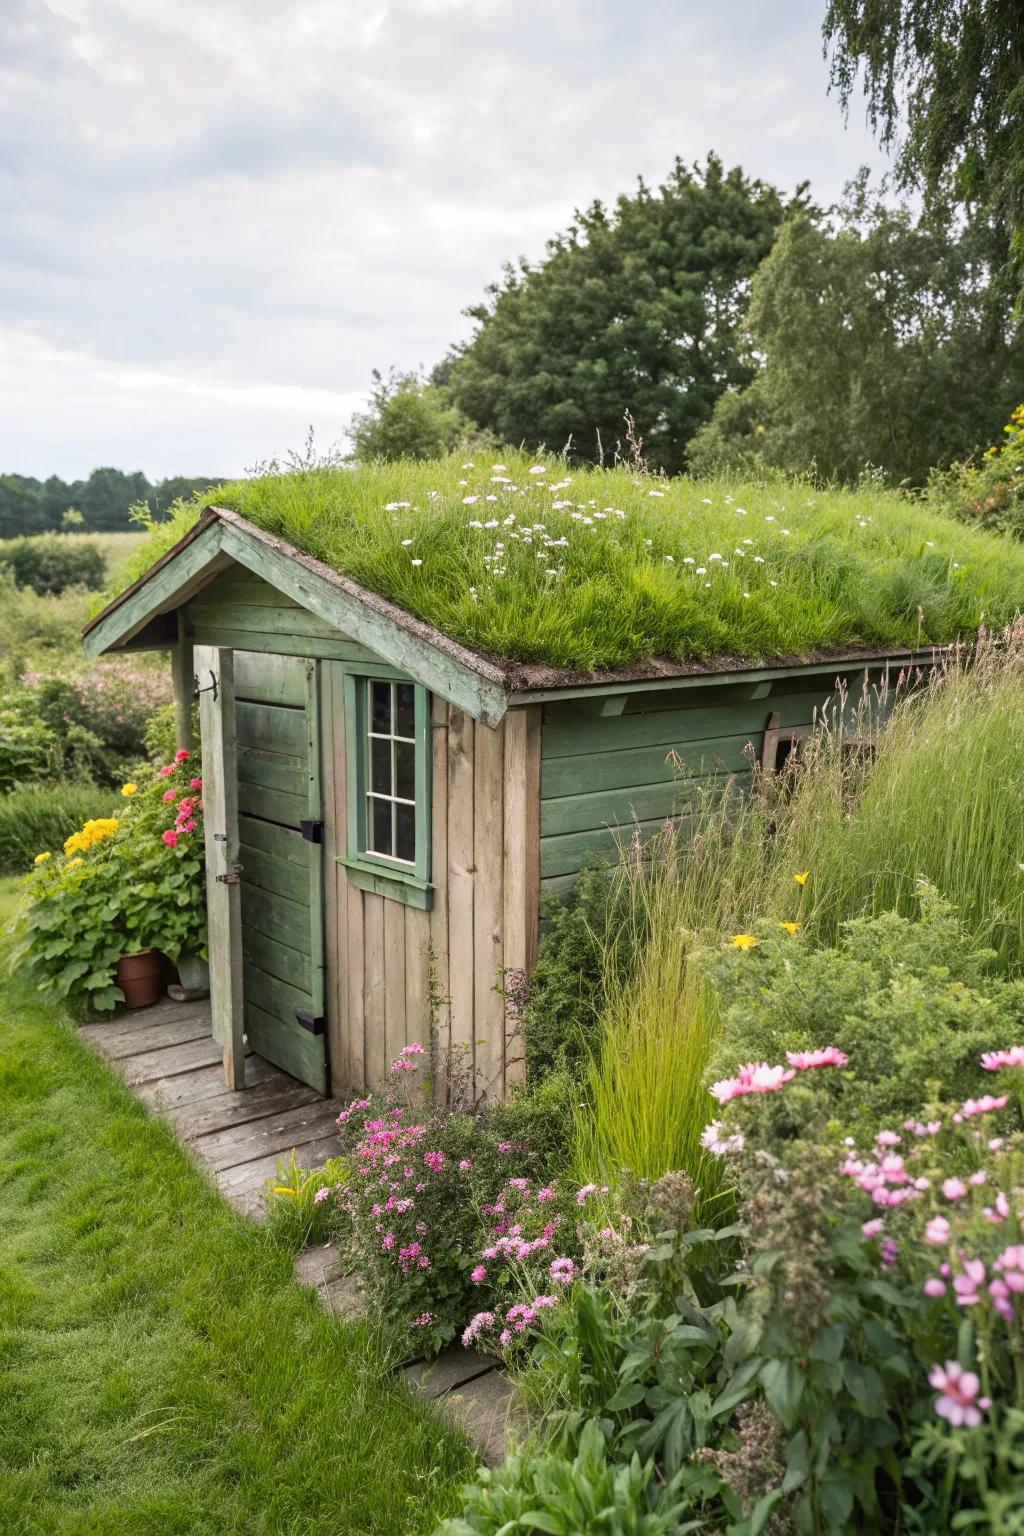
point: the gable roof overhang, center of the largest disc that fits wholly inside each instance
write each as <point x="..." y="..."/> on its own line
<point x="144" y="616"/>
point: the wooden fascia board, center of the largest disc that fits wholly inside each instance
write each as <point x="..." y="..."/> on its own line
<point x="329" y="598"/>
<point x="836" y="668"/>
<point x="166" y="586"/>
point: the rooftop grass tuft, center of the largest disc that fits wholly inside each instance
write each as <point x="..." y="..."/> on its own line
<point x="528" y="560"/>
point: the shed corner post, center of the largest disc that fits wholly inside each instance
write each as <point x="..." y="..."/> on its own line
<point x="182" y="683"/>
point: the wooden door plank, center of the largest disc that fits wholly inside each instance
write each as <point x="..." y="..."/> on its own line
<point x="488" y="911"/>
<point x="461" y="871"/>
<point x="278" y="877"/>
<point x="332" y="748"/>
<point x="220" y="817"/>
<point x="277" y="959"/>
<point x="374" y="1023"/>
<point x="295" y="1051"/>
<point x="272" y="727"/>
<point x="264" y="679"/>
<point x="394" y="980"/>
<point x="276" y="916"/>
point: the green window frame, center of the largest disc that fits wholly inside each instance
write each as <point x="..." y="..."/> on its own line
<point x="387" y="749"/>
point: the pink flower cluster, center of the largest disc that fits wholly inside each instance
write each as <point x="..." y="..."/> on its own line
<point x="185" y="818"/>
<point x="1011" y="1056"/>
<point x="404" y="1062"/>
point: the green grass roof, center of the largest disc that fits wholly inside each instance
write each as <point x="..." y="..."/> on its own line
<point x="525" y="559"/>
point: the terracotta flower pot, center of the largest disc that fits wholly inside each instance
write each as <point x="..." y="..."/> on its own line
<point x="139" y="977"/>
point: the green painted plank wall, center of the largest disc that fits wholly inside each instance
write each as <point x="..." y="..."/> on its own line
<point x="240" y="610"/>
<point x="602" y="776"/>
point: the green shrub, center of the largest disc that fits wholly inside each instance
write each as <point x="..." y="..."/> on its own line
<point x="28" y="748"/>
<point x="50" y="564"/>
<point x="586" y="1496"/>
<point x="989" y="491"/>
<point x="299" y="1210"/>
<point x="911" y="1002"/>
<point x="36" y="818"/>
<point x="34" y="630"/>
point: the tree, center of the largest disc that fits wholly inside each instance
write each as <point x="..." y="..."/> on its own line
<point x="407" y="419"/>
<point x="20" y="508"/>
<point x="945" y="86"/>
<point x="885" y="340"/>
<point x="635" y="308"/>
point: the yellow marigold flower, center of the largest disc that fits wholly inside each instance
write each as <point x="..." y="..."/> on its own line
<point x="128" y="789"/>
<point x="790" y="927"/>
<point x="803" y="877"/>
<point x="73" y="863"/>
<point x="41" y="858"/>
<point x="743" y="940"/>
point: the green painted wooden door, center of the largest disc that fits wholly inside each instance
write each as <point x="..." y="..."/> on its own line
<point x="279" y="813"/>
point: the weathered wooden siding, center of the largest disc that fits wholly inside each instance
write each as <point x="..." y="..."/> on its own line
<point x="604" y="775"/>
<point x="240" y="610"/>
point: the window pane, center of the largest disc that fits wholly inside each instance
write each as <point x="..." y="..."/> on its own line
<point x="380" y="707"/>
<point x="380" y="766"/>
<point x="380" y="827"/>
<point x="405" y="770"/>
<point x="406" y="722"/>
<point x="405" y="824"/>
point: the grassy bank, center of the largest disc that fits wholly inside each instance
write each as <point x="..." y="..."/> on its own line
<point x="159" y="1372"/>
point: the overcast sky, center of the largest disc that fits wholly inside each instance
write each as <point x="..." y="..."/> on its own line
<point x="217" y="216"/>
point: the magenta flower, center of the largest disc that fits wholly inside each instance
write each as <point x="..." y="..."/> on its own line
<point x="171" y="839"/>
<point x="181" y="756"/>
<point x="871" y="1229"/>
<point x="423" y="1321"/>
<point x="752" y="1077"/>
<point x="195" y="783"/>
<point x="478" y="1274"/>
<point x="166" y="770"/>
<point x="999" y="1212"/>
<point x="1012" y="1056"/>
<point x="967" y="1286"/>
<point x="169" y="796"/>
<point x="958" y="1402"/>
<point x="562" y="1271"/>
<point x="935" y="1287"/>
<point x="475" y="1327"/>
<point x="828" y="1056"/>
<point x="464" y="1166"/>
<point x="954" y="1189"/>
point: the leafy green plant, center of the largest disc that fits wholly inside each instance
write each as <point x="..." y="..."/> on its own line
<point x="300" y="1209"/>
<point x="590" y="1495"/>
<point x="121" y="884"/>
<point x="28" y="748"/>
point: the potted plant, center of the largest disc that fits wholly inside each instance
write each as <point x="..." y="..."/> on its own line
<point x="125" y="891"/>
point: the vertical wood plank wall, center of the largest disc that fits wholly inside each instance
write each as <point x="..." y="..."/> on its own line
<point x="482" y="923"/>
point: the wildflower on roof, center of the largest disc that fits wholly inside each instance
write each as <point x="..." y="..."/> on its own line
<point x="743" y="941"/>
<point x="416" y="562"/>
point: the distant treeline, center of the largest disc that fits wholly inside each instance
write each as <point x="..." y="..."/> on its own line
<point x="103" y="501"/>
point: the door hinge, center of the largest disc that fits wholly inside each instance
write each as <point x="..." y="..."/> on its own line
<point x="315" y="1023"/>
<point x="312" y="831"/>
<point x="229" y="879"/>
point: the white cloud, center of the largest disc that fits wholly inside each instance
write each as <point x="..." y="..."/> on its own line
<point x="267" y="198"/>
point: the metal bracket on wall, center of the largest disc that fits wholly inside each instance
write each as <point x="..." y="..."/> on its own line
<point x="211" y="686"/>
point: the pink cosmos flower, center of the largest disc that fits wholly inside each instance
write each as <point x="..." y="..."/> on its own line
<point x="828" y="1056"/>
<point x="188" y="826"/>
<point x="999" y="1211"/>
<point x="1012" y="1056"/>
<point x="954" y="1189"/>
<point x="984" y="1105"/>
<point x="936" y="1231"/>
<point x="181" y="756"/>
<point x="967" y="1286"/>
<point x="171" y="839"/>
<point x="958" y="1402"/>
<point x="887" y="1139"/>
<point x="935" y="1287"/>
<point x="751" y="1077"/>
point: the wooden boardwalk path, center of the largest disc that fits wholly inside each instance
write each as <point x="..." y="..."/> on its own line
<point x="171" y="1062"/>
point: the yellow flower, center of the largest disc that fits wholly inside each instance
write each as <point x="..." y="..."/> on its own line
<point x="743" y="941"/>
<point x="803" y="877"/>
<point x="41" y="858"/>
<point x="92" y="833"/>
<point x="73" y="863"/>
<point x="790" y="927"/>
<point x="128" y="789"/>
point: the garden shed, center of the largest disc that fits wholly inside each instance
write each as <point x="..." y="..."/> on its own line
<point x="385" y="807"/>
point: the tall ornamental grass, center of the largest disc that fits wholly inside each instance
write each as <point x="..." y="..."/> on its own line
<point x="870" y="808"/>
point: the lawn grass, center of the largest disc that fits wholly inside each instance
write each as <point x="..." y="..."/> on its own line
<point x="159" y="1371"/>
<point x="599" y="568"/>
